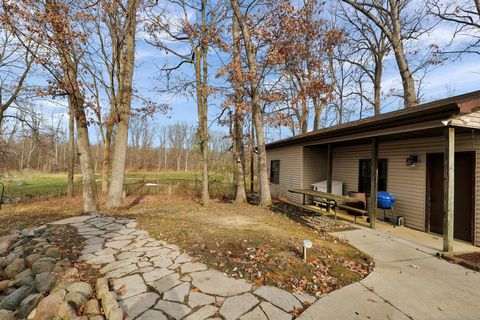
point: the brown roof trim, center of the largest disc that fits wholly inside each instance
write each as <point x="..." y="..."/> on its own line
<point x="439" y="109"/>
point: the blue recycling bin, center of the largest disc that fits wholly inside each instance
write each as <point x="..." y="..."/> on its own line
<point x="385" y="200"/>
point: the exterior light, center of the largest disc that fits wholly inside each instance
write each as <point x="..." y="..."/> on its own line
<point x="307" y="244"/>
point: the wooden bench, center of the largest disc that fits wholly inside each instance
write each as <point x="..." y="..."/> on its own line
<point x="332" y="201"/>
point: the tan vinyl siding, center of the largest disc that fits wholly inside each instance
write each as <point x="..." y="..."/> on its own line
<point x="408" y="184"/>
<point x="290" y="170"/>
<point x="314" y="165"/>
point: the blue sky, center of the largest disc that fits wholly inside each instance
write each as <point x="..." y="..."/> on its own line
<point x="455" y="76"/>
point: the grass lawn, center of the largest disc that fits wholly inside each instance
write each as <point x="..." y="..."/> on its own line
<point x="36" y="183"/>
<point x="244" y="241"/>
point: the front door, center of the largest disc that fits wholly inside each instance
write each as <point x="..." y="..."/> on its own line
<point x="464" y="194"/>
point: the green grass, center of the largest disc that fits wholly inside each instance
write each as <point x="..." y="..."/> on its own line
<point x="39" y="184"/>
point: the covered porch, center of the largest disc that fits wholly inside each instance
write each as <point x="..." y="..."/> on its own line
<point x="381" y="147"/>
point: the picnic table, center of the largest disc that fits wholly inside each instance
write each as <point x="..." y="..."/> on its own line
<point x="332" y="201"/>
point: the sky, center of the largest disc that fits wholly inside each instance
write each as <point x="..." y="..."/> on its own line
<point x="455" y="76"/>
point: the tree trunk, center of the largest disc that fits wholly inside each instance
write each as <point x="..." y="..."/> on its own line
<point x="107" y="146"/>
<point x="265" y="197"/>
<point x="202" y="97"/>
<point x="239" y="150"/>
<point x="408" y="83"/>
<point x="71" y="151"/>
<point x="115" y="192"/>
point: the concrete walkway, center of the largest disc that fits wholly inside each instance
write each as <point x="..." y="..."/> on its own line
<point x="409" y="282"/>
<point x="158" y="281"/>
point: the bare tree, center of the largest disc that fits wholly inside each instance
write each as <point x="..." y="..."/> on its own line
<point x="127" y="56"/>
<point x="257" y="113"/>
<point x="465" y="16"/>
<point x="399" y="22"/>
<point x="15" y="64"/>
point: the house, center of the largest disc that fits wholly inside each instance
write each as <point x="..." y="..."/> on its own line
<point x="427" y="158"/>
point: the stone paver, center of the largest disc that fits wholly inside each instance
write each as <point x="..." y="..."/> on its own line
<point x="173" y="309"/>
<point x="217" y="283"/>
<point x="279" y="297"/>
<point x="255" y="314"/>
<point x="234" y="307"/>
<point x="157" y="280"/>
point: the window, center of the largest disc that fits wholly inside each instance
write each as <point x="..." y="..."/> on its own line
<point x="364" y="175"/>
<point x="275" y="171"/>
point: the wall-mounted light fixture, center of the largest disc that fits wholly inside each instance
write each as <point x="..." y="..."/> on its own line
<point x="412" y="160"/>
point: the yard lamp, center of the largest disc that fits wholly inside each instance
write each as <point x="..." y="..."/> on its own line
<point x="307" y="244"/>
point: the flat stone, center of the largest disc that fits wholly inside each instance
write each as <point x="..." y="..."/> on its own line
<point x="156" y="274"/>
<point x="162" y="263"/>
<point x="47" y="308"/>
<point x="273" y="312"/>
<point x="144" y="264"/>
<point x="192" y="267"/>
<point x="177" y="293"/>
<point x="203" y="313"/>
<point x="94" y="241"/>
<point x="184" y="257"/>
<point x="105" y="252"/>
<point x="118" y="264"/>
<point x="137" y="305"/>
<point x="129" y="255"/>
<point x="166" y="283"/>
<point x="132" y="286"/>
<point x="121" y="272"/>
<point x="44" y="281"/>
<point x="216" y="283"/>
<point x="234" y="307"/>
<point x="81" y="287"/>
<point x="158" y="252"/>
<point x="196" y="299"/>
<point x="92" y="248"/>
<point x="279" y="297"/>
<point x="117" y="244"/>
<point x="102" y="259"/>
<point x="14" y="268"/>
<point x="305" y="298"/>
<point x="127" y="231"/>
<point x="134" y="245"/>
<point x="152" y="315"/>
<point x="22" y="275"/>
<point x="173" y="309"/>
<point x="70" y="273"/>
<point x="255" y="314"/>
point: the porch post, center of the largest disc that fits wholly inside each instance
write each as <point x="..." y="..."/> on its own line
<point x="373" y="183"/>
<point x="448" y="189"/>
<point x="329" y="167"/>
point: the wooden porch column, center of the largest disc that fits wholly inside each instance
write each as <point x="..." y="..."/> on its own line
<point x="329" y="167"/>
<point x="448" y="189"/>
<point x="373" y="183"/>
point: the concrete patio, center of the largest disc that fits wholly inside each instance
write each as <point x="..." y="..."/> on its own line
<point x="409" y="282"/>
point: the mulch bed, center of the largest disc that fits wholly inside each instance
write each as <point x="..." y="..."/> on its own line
<point x="71" y="246"/>
<point x="469" y="260"/>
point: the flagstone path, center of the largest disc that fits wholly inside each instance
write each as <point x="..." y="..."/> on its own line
<point x="156" y="280"/>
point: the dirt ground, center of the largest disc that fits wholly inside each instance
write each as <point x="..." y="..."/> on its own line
<point x="245" y="241"/>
